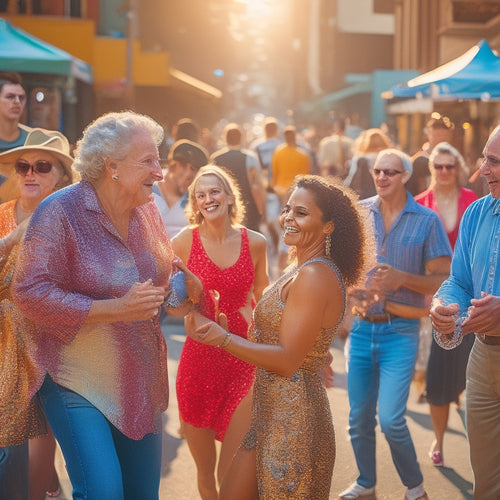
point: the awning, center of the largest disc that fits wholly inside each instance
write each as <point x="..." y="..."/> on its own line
<point x="358" y="88"/>
<point x="362" y="84"/>
<point x="473" y="75"/>
<point x="22" y="52"/>
<point x="183" y="80"/>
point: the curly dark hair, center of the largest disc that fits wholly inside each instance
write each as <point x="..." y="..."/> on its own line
<point x="338" y="204"/>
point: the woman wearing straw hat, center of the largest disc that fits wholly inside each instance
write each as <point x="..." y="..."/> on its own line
<point x="37" y="169"/>
<point x="94" y="270"/>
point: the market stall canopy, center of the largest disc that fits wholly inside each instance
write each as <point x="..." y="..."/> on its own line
<point x="473" y="75"/>
<point x="20" y="51"/>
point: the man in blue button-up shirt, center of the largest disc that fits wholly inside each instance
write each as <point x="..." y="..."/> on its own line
<point x="469" y="301"/>
<point x="413" y="254"/>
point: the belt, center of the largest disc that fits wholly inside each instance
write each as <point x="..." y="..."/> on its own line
<point x="377" y="318"/>
<point x="488" y="339"/>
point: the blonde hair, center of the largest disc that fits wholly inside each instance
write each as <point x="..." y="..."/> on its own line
<point x="226" y="181"/>
<point x="372" y="140"/>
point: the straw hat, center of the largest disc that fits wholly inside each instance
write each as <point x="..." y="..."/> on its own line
<point x="39" y="139"/>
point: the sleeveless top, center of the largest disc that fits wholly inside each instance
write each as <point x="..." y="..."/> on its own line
<point x="292" y="429"/>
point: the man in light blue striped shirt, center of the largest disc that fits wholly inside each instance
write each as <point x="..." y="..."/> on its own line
<point x="413" y="254"/>
<point x="469" y="302"/>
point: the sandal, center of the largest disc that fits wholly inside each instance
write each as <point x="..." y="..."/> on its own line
<point x="436" y="457"/>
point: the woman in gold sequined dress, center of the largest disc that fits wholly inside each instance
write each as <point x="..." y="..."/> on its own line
<point x="289" y="451"/>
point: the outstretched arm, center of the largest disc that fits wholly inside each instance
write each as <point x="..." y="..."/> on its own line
<point x="313" y="301"/>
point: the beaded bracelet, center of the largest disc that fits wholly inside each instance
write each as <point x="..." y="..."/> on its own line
<point x="226" y="341"/>
<point x="452" y="340"/>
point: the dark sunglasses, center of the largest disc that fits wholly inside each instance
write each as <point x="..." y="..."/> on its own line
<point x="439" y="166"/>
<point x="388" y="173"/>
<point x="39" y="167"/>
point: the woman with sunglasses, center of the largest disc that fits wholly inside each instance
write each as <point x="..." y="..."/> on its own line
<point x="445" y="377"/>
<point x="38" y="168"/>
<point x="93" y="271"/>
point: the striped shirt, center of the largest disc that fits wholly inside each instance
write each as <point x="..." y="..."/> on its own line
<point x="415" y="237"/>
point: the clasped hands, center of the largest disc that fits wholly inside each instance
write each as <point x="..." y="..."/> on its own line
<point x="483" y="316"/>
<point x="143" y="300"/>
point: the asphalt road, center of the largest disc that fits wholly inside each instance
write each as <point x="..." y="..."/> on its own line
<point x="452" y="482"/>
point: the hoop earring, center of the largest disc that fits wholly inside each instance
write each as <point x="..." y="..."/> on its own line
<point x="328" y="245"/>
<point x="115" y="177"/>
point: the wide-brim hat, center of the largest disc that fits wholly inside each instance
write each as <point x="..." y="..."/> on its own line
<point x="39" y="139"/>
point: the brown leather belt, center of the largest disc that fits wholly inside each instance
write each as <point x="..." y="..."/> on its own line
<point x="377" y="318"/>
<point x="488" y="339"/>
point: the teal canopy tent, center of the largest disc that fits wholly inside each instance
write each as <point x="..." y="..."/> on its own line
<point x="22" y="52"/>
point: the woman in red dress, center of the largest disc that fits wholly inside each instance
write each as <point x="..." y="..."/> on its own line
<point x="230" y="260"/>
<point x="445" y="377"/>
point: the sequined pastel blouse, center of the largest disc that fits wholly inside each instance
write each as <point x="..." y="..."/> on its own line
<point x="72" y="255"/>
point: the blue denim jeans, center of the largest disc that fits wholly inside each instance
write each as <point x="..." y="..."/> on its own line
<point x="101" y="461"/>
<point x="381" y="359"/>
<point x="14" y="472"/>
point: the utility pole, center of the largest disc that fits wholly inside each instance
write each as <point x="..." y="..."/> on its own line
<point x="131" y="34"/>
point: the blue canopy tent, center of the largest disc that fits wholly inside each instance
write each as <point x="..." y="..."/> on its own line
<point x="473" y="75"/>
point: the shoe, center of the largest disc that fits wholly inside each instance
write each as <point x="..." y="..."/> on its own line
<point x="53" y="494"/>
<point x="417" y="493"/>
<point x="422" y="497"/>
<point x="357" y="491"/>
<point x="436" y="457"/>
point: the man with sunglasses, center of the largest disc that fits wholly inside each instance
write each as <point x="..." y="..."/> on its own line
<point x="413" y="259"/>
<point x="469" y="302"/>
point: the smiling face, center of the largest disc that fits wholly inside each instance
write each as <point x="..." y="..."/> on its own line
<point x="139" y="170"/>
<point x="490" y="167"/>
<point x="302" y="221"/>
<point x="34" y="186"/>
<point x="181" y="175"/>
<point x="388" y="175"/>
<point x="211" y="199"/>
<point x="445" y="170"/>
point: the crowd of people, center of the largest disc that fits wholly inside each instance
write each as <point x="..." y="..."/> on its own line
<point x="355" y="234"/>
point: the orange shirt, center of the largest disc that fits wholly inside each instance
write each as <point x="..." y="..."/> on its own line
<point x="288" y="162"/>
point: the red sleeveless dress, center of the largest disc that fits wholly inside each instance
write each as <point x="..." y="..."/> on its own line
<point x="211" y="382"/>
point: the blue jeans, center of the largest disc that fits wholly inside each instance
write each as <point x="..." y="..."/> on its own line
<point x="101" y="461"/>
<point x="14" y="472"/>
<point x="381" y="360"/>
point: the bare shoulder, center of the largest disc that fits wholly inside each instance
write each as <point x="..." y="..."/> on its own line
<point x="318" y="275"/>
<point x="257" y="241"/>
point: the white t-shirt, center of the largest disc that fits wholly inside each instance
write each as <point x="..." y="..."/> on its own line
<point x="173" y="217"/>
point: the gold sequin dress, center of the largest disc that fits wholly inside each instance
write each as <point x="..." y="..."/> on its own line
<point x="292" y="428"/>
<point x="21" y="417"/>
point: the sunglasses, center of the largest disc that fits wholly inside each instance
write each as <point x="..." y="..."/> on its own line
<point x="39" y="167"/>
<point x="388" y="173"/>
<point x="439" y="166"/>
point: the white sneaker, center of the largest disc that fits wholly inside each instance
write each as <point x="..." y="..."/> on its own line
<point x="357" y="491"/>
<point x="417" y="493"/>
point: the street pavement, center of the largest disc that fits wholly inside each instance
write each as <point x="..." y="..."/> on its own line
<point x="452" y="482"/>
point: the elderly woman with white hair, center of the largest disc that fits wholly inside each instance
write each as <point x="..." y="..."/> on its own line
<point x="445" y="377"/>
<point x="94" y="270"/>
